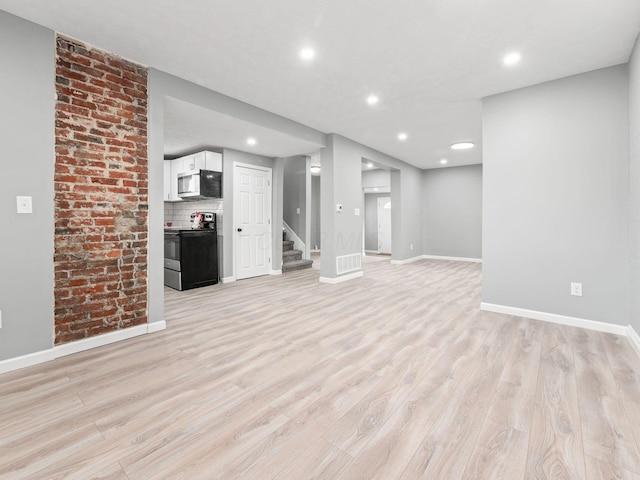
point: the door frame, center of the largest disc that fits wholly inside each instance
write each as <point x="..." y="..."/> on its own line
<point x="236" y="213"/>
<point x="379" y="208"/>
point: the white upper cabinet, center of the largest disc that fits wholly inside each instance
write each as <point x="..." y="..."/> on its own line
<point x="198" y="161"/>
<point x="167" y="180"/>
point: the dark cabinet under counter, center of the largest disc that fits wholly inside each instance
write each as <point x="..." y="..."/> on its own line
<point x="190" y="258"/>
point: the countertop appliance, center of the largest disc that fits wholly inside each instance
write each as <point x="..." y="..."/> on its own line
<point x="190" y="258"/>
<point x="208" y="220"/>
<point x="199" y="184"/>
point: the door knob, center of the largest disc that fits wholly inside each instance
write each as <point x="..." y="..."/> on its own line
<point x="239" y="229"/>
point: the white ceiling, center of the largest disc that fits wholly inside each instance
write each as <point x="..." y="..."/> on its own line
<point x="429" y="61"/>
<point x="189" y="128"/>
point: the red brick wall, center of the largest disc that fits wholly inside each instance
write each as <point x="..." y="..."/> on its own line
<point x="101" y="192"/>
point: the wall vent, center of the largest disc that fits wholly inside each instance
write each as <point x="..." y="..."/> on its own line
<point x="348" y="263"/>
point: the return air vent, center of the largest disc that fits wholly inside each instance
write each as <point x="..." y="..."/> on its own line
<point x="348" y="263"/>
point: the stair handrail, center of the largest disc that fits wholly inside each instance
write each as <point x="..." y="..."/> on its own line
<point x="298" y="244"/>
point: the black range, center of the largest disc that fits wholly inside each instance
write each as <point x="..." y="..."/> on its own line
<point x="190" y="258"/>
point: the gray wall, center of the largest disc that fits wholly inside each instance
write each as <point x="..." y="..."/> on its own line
<point x="452" y="211"/>
<point x="295" y="194"/>
<point x="315" y="237"/>
<point x="555" y="196"/>
<point x="634" y="184"/>
<point x="27" y="139"/>
<point x="376" y="178"/>
<point x="342" y="183"/>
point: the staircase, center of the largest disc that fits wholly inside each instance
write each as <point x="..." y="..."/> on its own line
<point x="292" y="259"/>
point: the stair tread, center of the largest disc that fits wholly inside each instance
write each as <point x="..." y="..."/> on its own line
<point x="291" y="253"/>
<point x="296" y="265"/>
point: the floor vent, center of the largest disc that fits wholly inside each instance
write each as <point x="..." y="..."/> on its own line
<point x="348" y="263"/>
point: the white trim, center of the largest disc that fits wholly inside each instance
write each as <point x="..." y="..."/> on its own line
<point x="555" y="318"/>
<point x="406" y="260"/>
<point x="298" y="244"/>
<point x="154" y="327"/>
<point x="313" y="250"/>
<point x="275" y="272"/>
<point x="634" y="339"/>
<point x="455" y="259"/>
<point x="370" y="252"/>
<point x="27" y="360"/>
<point x="342" y="278"/>
<point x="99" y="340"/>
<point x="79" y="346"/>
<point x="228" y="279"/>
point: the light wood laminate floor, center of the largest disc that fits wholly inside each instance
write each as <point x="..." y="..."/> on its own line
<point x="396" y="375"/>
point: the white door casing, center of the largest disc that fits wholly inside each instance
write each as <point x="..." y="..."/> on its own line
<point x="251" y="220"/>
<point x="384" y="225"/>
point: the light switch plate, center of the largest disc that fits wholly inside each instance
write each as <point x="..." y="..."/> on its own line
<point x="24" y="204"/>
<point x="356" y="211"/>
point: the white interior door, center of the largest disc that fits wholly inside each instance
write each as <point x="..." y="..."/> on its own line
<point x="251" y="221"/>
<point x="384" y="225"/>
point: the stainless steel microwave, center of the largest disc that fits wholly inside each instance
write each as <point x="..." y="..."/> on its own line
<point x="199" y="184"/>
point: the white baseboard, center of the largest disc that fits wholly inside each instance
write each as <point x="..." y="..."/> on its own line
<point x="634" y="339"/>
<point x="276" y="272"/>
<point x="455" y="259"/>
<point x="342" y="278"/>
<point x="228" y="279"/>
<point x="156" y="326"/>
<point x="27" y="360"/>
<point x="99" y="340"/>
<point x="79" y="346"/>
<point x="555" y="318"/>
<point x="406" y="260"/>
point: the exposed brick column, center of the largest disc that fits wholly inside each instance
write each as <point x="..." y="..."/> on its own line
<point x="101" y="192"/>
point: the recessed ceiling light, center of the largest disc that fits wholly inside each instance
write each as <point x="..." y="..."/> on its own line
<point x="369" y="165"/>
<point x="462" y="145"/>
<point x="443" y="161"/>
<point x="251" y="141"/>
<point x="511" y="59"/>
<point x="307" y="53"/>
<point x="375" y="189"/>
<point x="402" y="136"/>
<point x="372" y="99"/>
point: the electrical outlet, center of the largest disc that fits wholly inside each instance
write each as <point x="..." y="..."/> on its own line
<point x="411" y="246"/>
<point x="576" y="289"/>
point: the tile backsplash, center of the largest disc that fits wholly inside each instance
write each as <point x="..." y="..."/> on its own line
<point x="179" y="213"/>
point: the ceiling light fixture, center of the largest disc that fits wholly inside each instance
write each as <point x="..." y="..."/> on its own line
<point x="315" y="169"/>
<point x="402" y="136"/>
<point x="307" y="53"/>
<point x="511" y="59"/>
<point x="372" y="99"/>
<point x="443" y="161"/>
<point x="369" y="165"/>
<point x="251" y="141"/>
<point x="462" y="145"/>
